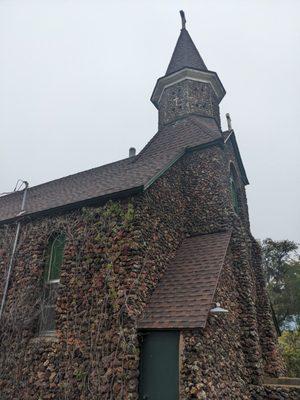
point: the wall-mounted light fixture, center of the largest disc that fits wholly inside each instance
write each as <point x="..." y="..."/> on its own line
<point x="218" y="309"/>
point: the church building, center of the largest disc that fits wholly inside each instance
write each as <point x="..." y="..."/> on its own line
<point x="140" y="279"/>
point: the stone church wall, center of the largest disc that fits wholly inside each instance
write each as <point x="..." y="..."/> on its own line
<point x="220" y="372"/>
<point x="185" y="98"/>
<point x="274" y="393"/>
<point x="114" y="256"/>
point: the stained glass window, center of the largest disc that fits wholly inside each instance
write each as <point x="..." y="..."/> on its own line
<point x="55" y="253"/>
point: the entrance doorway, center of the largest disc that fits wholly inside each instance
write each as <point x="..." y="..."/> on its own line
<point x="159" y="366"/>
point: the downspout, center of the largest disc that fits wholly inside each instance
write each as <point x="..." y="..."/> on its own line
<point x="10" y="265"/>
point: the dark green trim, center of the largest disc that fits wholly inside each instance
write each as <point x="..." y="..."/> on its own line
<point x="217" y="142"/>
<point x="235" y="146"/>
<point x="128" y="192"/>
<point x="95" y="201"/>
<point x="161" y="172"/>
<point x="171" y="123"/>
<point x="234" y="194"/>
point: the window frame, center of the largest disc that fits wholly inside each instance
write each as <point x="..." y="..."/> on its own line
<point x="49" y="262"/>
<point x="234" y="189"/>
<point x="50" y="286"/>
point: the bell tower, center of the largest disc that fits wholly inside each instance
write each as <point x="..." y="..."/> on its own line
<point x="188" y="87"/>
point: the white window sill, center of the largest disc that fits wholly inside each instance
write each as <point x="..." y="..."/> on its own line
<point x="53" y="281"/>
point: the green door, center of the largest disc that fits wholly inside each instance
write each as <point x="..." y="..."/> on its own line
<point x="159" y="366"/>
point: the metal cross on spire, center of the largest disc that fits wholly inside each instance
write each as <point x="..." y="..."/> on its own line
<point x="183" y="20"/>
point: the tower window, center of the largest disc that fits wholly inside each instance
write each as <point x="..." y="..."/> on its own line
<point x="54" y="259"/>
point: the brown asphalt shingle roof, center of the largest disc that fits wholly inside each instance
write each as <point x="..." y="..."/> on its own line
<point x="185" y="55"/>
<point x="118" y="176"/>
<point x="184" y="296"/>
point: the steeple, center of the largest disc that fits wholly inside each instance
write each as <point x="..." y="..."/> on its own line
<point x="185" y="53"/>
<point x="188" y="87"/>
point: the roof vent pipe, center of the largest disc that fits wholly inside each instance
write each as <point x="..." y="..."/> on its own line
<point x="132" y="152"/>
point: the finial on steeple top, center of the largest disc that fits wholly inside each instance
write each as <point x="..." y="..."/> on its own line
<point x="183" y="20"/>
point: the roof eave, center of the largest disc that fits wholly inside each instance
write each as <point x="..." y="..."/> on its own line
<point x="216" y="142"/>
<point x="115" y="195"/>
<point x="185" y="73"/>
<point x="73" y="206"/>
<point x="233" y="140"/>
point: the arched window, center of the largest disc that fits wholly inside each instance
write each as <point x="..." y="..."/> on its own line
<point x="234" y="189"/>
<point x="54" y="259"/>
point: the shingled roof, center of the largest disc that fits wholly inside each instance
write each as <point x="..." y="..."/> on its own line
<point x="185" y="55"/>
<point x="120" y="176"/>
<point x="185" y="293"/>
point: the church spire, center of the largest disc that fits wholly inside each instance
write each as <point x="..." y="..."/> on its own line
<point x="188" y="87"/>
<point x="185" y="53"/>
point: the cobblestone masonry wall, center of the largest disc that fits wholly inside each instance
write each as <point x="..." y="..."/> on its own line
<point x="188" y="97"/>
<point x="205" y="374"/>
<point x="274" y="393"/>
<point x="114" y="256"/>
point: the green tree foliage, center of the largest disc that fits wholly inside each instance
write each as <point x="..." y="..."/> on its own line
<point x="290" y="344"/>
<point x="276" y="257"/>
<point x="281" y="265"/>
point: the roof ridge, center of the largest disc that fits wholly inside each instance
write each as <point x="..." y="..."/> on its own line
<point x="146" y="146"/>
<point x="194" y="118"/>
<point x="154" y="159"/>
<point x="195" y="121"/>
<point x="131" y="159"/>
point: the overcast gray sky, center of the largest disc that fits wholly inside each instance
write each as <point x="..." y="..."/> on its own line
<point x="76" y="77"/>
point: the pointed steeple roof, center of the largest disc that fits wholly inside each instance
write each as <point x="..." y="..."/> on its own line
<point x="185" y="53"/>
<point x="186" y="64"/>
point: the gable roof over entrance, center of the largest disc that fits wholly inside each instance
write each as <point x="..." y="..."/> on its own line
<point x="185" y="293"/>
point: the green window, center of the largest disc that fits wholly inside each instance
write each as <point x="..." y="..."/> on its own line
<point x="54" y="259"/>
<point x="234" y="194"/>
<point x="234" y="191"/>
<point x="55" y="252"/>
